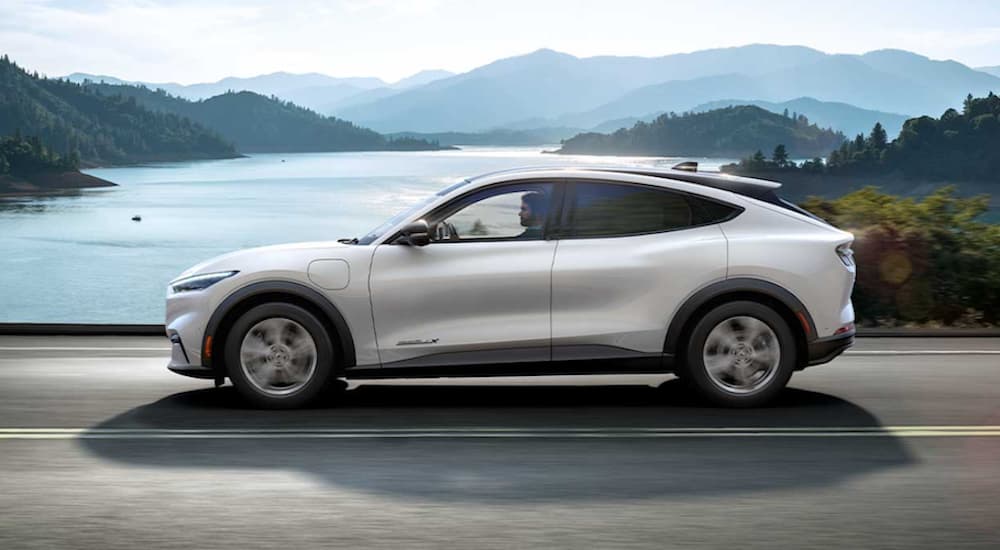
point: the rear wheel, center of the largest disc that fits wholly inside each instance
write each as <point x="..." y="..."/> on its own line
<point x="279" y="356"/>
<point x="741" y="354"/>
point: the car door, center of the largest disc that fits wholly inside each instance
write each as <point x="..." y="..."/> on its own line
<point x="479" y="292"/>
<point x="628" y="256"/>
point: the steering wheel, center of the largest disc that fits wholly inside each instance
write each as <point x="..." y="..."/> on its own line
<point x="445" y="231"/>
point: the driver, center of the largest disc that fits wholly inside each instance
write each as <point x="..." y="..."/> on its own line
<point x="534" y="210"/>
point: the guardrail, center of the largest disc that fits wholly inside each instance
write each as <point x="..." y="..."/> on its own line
<point x="84" y="329"/>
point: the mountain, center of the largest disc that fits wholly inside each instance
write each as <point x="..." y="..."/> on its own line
<point x="421" y="78"/>
<point x="80" y="78"/>
<point x="312" y="90"/>
<point x="731" y="131"/>
<point x="546" y="83"/>
<point x="676" y="95"/>
<point x="994" y="70"/>
<point x="70" y="118"/>
<point x="264" y="124"/>
<point x="838" y="78"/>
<point x="842" y="117"/>
<point x="551" y="89"/>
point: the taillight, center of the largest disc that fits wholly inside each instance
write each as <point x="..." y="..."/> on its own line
<point x="849" y="327"/>
<point x="845" y="254"/>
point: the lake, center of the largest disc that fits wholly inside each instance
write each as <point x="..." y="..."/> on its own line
<point x="79" y="257"/>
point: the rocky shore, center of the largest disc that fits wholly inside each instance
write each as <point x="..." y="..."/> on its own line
<point x="47" y="182"/>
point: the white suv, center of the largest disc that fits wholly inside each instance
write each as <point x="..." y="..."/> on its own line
<point x="534" y="271"/>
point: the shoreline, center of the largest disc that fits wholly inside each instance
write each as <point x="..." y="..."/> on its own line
<point x="49" y="183"/>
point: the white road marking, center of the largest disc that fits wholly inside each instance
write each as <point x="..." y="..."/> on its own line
<point x="498" y="433"/>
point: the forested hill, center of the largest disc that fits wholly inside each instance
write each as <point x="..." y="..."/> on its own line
<point x="70" y="118"/>
<point x="958" y="146"/>
<point x="731" y="131"/>
<point x="962" y="145"/>
<point x="256" y="123"/>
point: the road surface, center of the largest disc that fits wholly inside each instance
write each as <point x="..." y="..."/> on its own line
<point x="896" y="444"/>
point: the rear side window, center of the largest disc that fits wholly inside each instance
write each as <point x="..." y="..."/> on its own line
<point x="608" y="209"/>
<point x="707" y="211"/>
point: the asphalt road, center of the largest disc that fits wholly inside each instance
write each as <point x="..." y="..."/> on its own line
<point x="895" y="445"/>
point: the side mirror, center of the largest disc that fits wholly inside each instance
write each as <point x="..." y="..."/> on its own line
<point x="417" y="233"/>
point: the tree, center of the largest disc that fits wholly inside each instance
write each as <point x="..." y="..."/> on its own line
<point x="878" y="138"/>
<point x="858" y="147"/>
<point x="780" y="156"/>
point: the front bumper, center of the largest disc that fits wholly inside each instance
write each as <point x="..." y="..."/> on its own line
<point x="181" y="364"/>
<point x="824" y="350"/>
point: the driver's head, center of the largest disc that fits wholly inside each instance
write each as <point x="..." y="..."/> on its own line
<point x="534" y="208"/>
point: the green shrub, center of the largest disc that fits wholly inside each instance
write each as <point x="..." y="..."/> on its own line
<point x="920" y="261"/>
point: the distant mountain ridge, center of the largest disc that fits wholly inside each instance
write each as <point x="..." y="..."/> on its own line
<point x="550" y="89"/>
<point x="255" y="123"/>
<point x="312" y="90"/>
<point x="568" y="91"/>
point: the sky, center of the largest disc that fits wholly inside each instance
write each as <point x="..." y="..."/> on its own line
<point x="189" y="41"/>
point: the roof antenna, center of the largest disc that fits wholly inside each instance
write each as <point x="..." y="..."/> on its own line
<point x="688" y="166"/>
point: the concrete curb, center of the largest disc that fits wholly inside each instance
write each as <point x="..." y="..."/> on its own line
<point x="83" y="329"/>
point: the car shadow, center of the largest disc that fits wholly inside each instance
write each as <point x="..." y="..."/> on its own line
<point x="517" y="469"/>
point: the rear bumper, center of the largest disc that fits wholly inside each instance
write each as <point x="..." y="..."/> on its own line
<point x="824" y="350"/>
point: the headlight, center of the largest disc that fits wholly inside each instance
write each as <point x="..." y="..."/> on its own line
<point x="199" y="282"/>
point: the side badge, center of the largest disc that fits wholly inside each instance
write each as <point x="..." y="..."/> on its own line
<point x="417" y="341"/>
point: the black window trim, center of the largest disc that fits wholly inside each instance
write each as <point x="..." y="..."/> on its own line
<point x="558" y="189"/>
<point x="567" y="209"/>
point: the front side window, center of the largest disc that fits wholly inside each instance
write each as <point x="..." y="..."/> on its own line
<point x="511" y="212"/>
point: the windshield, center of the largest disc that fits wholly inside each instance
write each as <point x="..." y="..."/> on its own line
<point x="374" y="234"/>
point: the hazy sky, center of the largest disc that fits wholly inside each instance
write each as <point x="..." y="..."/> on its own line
<point x="201" y="40"/>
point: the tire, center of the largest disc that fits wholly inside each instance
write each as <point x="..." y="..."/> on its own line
<point x="751" y="351"/>
<point x="280" y="356"/>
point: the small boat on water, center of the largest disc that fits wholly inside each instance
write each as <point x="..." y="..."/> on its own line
<point x="137" y="218"/>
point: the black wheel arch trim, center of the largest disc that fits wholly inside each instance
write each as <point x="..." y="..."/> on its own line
<point x="314" y="297"/>
<point x="731" y="286"/>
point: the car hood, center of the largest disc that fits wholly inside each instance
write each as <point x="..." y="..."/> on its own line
<point x="238" y="260"/>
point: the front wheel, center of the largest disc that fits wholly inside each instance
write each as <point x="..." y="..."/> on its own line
<point x="741" y="354"/>
<point x="279" y="356"/>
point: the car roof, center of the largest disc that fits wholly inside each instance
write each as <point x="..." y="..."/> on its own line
<point x="750" y="187"/>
